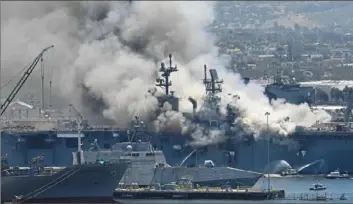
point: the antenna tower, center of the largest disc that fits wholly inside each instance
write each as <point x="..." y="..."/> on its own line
<point x="213" y="85"/>
<point x="166" y="71"/>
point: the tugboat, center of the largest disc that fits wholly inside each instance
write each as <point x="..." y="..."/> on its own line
<point x="289" y="172"/>
<point x="318" y="187"/>
<point x="337" y="175"/>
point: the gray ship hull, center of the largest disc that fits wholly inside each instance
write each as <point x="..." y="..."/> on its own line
<point x="88" y="180"/>
<point x="334" y="148"/>
<point x="314" y="154"/>
<point x="234" y="183"/>
<point x="317" y="152"/>
<point x="146" y="174"/>
<point x="171" y="201"/>
<point x="208" y="176"/>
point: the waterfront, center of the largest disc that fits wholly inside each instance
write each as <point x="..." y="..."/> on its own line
<point x="295" y="187"/>
<point x="298" y="186"/>
<point x="301" y="184"/>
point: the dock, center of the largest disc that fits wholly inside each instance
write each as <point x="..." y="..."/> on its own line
<point x="64" y="200"/>
<point x="136" y="194"/>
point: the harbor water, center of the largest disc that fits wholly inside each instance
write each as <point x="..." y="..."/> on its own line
<point x="296" y="189"/>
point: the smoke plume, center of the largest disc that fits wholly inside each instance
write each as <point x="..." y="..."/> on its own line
<point x="107" y="54"/>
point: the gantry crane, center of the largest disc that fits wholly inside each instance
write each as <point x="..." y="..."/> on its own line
<point x="23" y="80"/>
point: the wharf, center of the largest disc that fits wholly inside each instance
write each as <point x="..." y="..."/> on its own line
<point x="131" y="194"/>
<point x="64" y="200"/>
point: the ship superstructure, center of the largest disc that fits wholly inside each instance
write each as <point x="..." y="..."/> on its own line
<point x="149" y="167"/>
<point x="209" y="112"/>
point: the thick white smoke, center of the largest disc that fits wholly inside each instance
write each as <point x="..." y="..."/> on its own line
<point x="252" y="104"/>
<point x="105" y="60"/>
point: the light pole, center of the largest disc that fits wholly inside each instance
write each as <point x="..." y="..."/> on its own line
<point x="268" y="154"/>
<point x="79" y="128"/>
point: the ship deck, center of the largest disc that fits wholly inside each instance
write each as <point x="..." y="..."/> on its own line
<point x="323" y="129"/>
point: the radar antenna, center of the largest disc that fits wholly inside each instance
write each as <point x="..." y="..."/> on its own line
<point x="213" y="85"/>
<point x="164" y="80"/>
<point x="210" y="109"/>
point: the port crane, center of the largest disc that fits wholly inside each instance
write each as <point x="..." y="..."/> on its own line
<point x="23" y="80"/>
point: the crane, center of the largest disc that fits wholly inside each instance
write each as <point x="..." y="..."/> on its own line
<point x="23" y="80"/>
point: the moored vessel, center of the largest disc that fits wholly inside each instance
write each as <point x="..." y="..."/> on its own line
<point x="185" y="190"/>
<point x="86" y="178"/>
<point x="337" y="175"/>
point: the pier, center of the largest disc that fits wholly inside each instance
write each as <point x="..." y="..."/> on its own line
<point x="199" y="194"/>
<point x="319" y="197"/>
<point x="64" y="200"/>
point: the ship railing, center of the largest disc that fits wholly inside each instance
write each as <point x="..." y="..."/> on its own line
<point x="318" y="196"/>
<point x="93" y="128"/>
<point x="29" y="128"/>
<point x="326" y="129"/>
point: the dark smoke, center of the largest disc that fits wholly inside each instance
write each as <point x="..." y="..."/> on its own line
<point x="92" y="101"/>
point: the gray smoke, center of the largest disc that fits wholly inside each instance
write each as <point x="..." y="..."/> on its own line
<point x="105" y="55"/>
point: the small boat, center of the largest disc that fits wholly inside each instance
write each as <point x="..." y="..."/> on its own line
<point x="318" y="187"/>
<point x="289" y="172"/>
<point x="343" y="197"/>
<point x="337" y="175"/>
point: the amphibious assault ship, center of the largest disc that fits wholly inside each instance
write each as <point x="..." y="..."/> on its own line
<point x="327" y="144"/>
<point x="289" y="90"/>
<point x="327" y="147"/>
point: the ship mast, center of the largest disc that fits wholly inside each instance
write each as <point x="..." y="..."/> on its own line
<point x="210" y="109"/>
<point x="164" y="80"/>
<point x="79" y="142"/>
<point x="138" y="131"/>
<point x="213" y="85"/>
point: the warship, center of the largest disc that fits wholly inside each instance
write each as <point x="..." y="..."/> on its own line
<point x="148" y="166"/>
<point x="94" y="168"/>
<point x="289" y="90"/>
<point x="323" y="148"/>
<point x="96" y="177"/>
